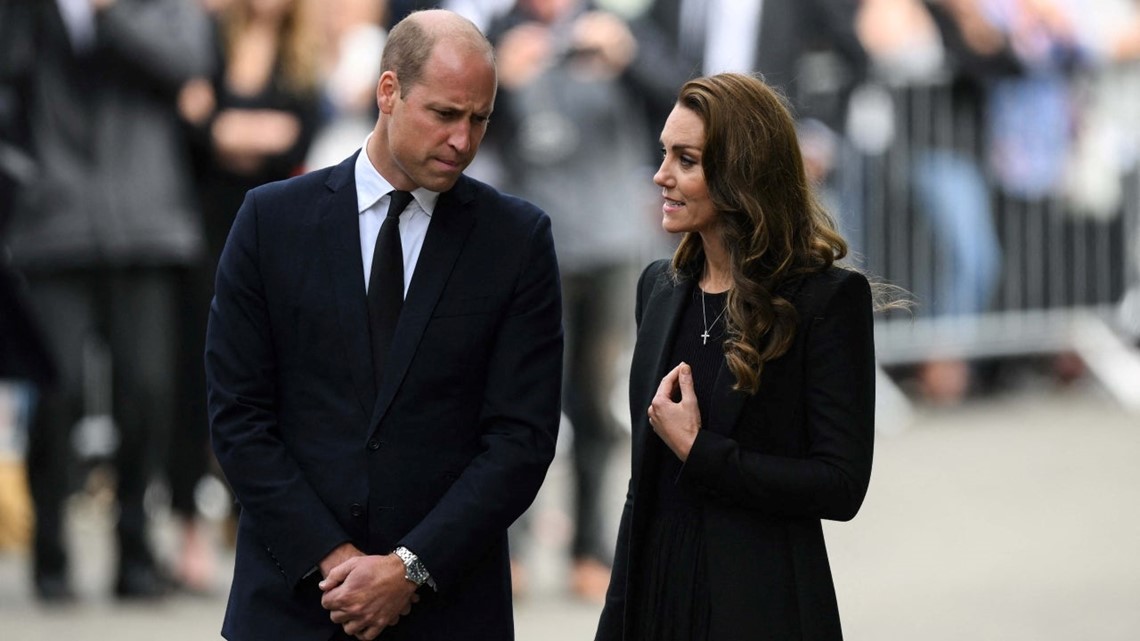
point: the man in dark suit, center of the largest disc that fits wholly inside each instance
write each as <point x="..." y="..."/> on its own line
<point x="367" y="496"/>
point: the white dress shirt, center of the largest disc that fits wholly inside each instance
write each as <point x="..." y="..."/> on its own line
<point x="372" y="201"/>
<point x="79" y="20"/>
<point x="733" y="29"/>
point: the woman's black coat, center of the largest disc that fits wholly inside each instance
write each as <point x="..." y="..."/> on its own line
<point x="770" y="465"/>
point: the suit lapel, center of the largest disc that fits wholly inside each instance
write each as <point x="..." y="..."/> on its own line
<point x="450" y="225"/>
<point x="340" y="234"/>
<point x="659" y="322"/>
<point x="658" y="337"/>
<point x="666" y="302"/>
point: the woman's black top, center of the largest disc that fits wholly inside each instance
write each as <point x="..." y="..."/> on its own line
<point x="672" y="586"/>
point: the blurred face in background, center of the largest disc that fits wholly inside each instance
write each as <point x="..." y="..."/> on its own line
<point x="547" y="11"/>
<point x="434" y="128"/>
<point x="687" y="207"/>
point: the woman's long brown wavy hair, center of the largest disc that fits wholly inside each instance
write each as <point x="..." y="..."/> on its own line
<point x="772" y="225"/>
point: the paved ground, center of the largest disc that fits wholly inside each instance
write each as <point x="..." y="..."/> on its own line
<point x="1011" y="519"/>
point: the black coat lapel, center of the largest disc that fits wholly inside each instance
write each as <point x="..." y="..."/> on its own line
<point x="660" y="320"/>
<point x="662" y="316"/>
<point x="340" y="232"/>
<point x="450" y="225"/>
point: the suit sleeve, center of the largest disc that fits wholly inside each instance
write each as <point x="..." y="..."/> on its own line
<point x="838" y="404"/>
<point x="291" y="521"/>
<point x="518" y="421"/>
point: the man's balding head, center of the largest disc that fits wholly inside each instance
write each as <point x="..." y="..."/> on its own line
<point x="412" y="40"/>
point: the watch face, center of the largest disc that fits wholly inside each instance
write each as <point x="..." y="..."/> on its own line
<point x="416" y="575"/>
<point x="414" y="571"/>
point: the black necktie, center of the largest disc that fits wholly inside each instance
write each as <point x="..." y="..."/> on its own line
<point x="386" y="282"/>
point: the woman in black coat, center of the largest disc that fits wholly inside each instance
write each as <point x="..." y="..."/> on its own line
<point x="751" y="389"/>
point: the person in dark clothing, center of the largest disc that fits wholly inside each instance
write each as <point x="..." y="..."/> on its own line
<point x="384" y="358"/>
<point x="100" y="232"/>
<point x="751" y="387"/>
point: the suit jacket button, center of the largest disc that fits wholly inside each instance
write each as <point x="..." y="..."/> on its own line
<point x="373" y="444"/>
<point x="356" y="510"/>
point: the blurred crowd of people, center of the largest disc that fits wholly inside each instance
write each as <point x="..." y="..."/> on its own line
<point x="130" y="131"/>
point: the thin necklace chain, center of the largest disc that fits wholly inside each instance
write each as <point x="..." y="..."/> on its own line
<point x="705" y="319"/>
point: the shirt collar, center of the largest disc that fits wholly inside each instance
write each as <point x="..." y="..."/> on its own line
<point x="371" y="186"/>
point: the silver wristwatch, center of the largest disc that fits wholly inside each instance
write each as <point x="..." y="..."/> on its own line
<point x="414" y="570"/>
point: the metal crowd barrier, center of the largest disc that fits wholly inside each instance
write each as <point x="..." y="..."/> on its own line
<point x="1031" y="275"/>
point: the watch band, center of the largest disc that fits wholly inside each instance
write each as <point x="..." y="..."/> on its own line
<point x="414" y="569"/>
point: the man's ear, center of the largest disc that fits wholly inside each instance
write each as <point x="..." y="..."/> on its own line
<point x="387" y="91"/>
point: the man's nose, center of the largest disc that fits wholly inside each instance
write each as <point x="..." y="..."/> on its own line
<point x="460" y="137"/>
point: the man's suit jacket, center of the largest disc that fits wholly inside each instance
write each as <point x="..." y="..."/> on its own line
<point x="768" y="466"/>
<point x="441" y="456"/>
